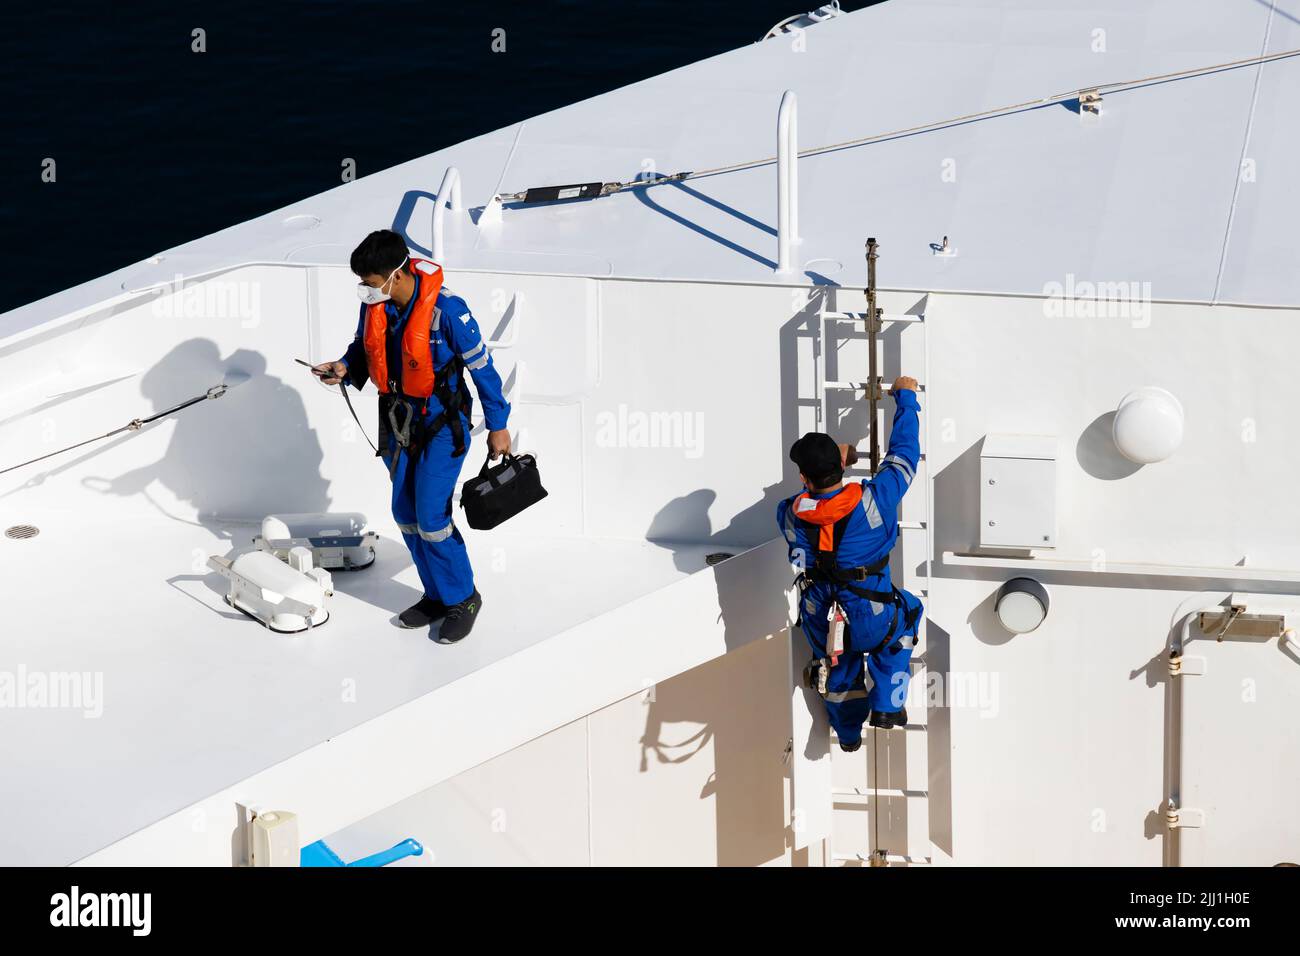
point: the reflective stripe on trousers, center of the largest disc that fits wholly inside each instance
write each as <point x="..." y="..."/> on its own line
<point x="839" y="697"/>
<point x="422" y="497"/>
<point x="435" y="536"/>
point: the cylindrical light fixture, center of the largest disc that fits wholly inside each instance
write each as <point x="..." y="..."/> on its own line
<point x="1022" y="605"/>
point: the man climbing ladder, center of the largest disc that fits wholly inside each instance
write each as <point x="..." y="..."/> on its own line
<point x="840" y="536"/>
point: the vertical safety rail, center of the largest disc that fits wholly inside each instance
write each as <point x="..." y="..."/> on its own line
<point x="787" y="181"/>
<point x="448" y="194"/>
<point x="873" y="322"/>
<point x="873" y="403"/>
<point x="873" y="371"/>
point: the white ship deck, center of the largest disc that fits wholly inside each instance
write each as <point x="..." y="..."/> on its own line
<point x="197" y="696"/>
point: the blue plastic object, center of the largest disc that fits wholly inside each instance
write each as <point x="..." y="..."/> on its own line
<point x="320" y="854"/>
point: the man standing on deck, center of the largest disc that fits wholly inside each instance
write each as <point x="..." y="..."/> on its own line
<point x="853" y="616"/>
<point x="414" y="340"/>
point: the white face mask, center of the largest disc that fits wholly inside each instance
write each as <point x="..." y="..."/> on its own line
<point x="371" y="295"/>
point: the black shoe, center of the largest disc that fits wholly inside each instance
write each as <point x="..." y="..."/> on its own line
<point x="850" y="748"/>
<point x="423" y="613"/>
<point x="460" y="619"/>
<point x="884" y="721"/>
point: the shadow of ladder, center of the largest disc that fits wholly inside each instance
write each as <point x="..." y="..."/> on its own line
<point x="894" y="795"/>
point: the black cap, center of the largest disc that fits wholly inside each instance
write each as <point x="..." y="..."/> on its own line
<point x="818" y="458"/>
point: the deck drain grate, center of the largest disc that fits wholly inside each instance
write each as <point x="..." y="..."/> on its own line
<point x="21" y="531"/>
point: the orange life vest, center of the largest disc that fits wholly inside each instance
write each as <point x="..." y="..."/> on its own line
<point x="824" y="512"/>
<point x="416" y="376"/>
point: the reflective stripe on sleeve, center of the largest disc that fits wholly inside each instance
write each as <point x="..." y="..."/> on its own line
<point x="869" y="506"/>
<point x="901" y="465"/>
<point x="789" y="527"/>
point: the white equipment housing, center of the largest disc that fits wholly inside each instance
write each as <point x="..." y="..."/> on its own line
<point x="337" y="541"/>
<point x="274" y="839"/>
<point x="1018" y="492"/>
<point x="285" y="597"/>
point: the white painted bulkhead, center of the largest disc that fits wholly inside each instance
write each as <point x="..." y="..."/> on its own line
<point x="1045" y="748"/>
<point x="660" y="412"/>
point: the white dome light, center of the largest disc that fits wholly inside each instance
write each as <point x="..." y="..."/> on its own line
<point x="1022" y="605"/>
<point x="1148" y="425"/>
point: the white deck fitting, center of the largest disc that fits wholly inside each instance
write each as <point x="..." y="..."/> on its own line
<point x="201" y="696"/>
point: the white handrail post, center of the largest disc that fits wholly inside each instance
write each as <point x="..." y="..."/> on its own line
<point x="787" y="180"/>
<point x="448" y="193"/>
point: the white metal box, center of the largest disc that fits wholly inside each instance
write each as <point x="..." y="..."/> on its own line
<point x="1018" y="491"/>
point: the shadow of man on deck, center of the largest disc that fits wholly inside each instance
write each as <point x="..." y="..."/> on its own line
<point x="241" y="457"/>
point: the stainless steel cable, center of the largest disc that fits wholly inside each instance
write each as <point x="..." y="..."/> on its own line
<point x="135" y="424"/>
<point x="607" y="189"/>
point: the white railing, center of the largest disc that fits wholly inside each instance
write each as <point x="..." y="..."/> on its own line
<point x="787" y="180"/>
<point x="448" y="194"/>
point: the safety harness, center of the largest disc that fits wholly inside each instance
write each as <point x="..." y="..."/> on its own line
<point x="401" y="366"/>
<point x="825" y="527"/>
<point x="825" y="521"/>
<point x="404" y="417"/>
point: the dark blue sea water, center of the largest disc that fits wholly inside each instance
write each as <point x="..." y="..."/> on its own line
<point x="155" y="144"/>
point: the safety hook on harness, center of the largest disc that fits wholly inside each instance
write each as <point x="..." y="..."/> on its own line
<point x="401" y="433"/>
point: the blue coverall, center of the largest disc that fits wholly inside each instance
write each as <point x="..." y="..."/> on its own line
<point x="881" y="633"/>
<point x="422" y="490"/>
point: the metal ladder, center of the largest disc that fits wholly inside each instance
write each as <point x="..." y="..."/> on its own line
<point x="887" y="779"/>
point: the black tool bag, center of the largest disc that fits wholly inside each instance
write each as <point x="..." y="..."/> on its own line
<point x="502" y="491"/>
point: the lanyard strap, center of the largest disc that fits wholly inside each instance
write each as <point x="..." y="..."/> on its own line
<point x="343" y="387"/>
